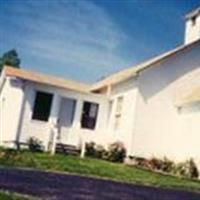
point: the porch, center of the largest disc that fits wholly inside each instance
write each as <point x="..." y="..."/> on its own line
<point x="54" y="115"/>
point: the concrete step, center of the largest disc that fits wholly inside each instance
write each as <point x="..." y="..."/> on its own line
<point x="67" y="149"/>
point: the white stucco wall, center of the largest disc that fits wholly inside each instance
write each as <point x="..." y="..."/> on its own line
<point x="161" y="129"/>
<point x="10" y="101"/>
<point x="2" y="82"/>
<point x="151" y="123"/>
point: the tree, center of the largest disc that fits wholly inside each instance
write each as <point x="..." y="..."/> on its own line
<point x="10" y="58"/>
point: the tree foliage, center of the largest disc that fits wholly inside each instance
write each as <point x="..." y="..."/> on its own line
<point x="10" y="58"/>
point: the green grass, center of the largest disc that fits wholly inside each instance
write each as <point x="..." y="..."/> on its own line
<point x="10" y="196"/>
<point x="94" y="168"/>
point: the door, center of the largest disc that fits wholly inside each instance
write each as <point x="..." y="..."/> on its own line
<point x="65" y="119"/>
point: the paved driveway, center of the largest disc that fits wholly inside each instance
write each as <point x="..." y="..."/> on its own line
<point x="53" y="186"/>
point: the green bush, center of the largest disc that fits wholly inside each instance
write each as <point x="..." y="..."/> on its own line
<point x="35" y="145"/>
<point x="140" y="162"/>
<point x="194" y="173"/>
<point x="95" y="150"/>
<point x="90" y="149"/>
<point x="100" y="152"/>
<point x="168" y="165"/>
<point x="164" y="165"/>
<point x="116" y="152"/>
<point x="155" y="164"/>
<point x="187" y="169"/>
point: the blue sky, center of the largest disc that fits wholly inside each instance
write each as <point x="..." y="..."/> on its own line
<point x="89" y="39"/>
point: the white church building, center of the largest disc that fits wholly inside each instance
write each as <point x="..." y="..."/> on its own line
<point x="153" y="108"/>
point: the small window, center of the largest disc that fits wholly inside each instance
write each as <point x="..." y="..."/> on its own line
<point x="193" y="19"/>
<point x="119" y="105"/>
<point x="118" y="112"/>
<point x="42" y="106"/>
<point x="110" y="109"/>
<point x="89" y="115"/>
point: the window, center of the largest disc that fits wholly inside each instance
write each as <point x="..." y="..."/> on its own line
<point x="193" y="19"/>
<point x="118" y="112"/>
<point x="110" y="109"/>
<point x="42" y="106"/>
<point x="89" y="115"/>
<point x="119" y="105"/>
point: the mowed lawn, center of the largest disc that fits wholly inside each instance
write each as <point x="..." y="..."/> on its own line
<point x="10" y="196"/>
<point x="93" y="168"/>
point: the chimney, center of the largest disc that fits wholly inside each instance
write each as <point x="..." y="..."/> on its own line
<point x="192" y="26"/>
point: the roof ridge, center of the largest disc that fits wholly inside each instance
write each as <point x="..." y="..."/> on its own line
<point x="134" y="70"/>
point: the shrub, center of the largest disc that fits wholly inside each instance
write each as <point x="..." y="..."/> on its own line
<point x="35" y="144"/>
<point x="187" y="169"/>
<point x="164" y="165"/>
<point x="142" y="162"/>
<point x="116" y="152"/>
<point x="100" y="152"/>
<point x="168" y="165"/>
<point x="90" y="149"/>
<point x="95" y="150"/>
<point x="194" y="173"/>
<point x="155" y="164"/>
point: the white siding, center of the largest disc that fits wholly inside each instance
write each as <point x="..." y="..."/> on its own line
<point x="161" y="130"/>
<point x="11" y="102"/>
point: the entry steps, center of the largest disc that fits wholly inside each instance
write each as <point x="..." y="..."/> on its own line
<point x="67" y="149"/>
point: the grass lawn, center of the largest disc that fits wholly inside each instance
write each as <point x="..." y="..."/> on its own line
<point x="9" y="196"/>
<point x="95" y="168"/>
